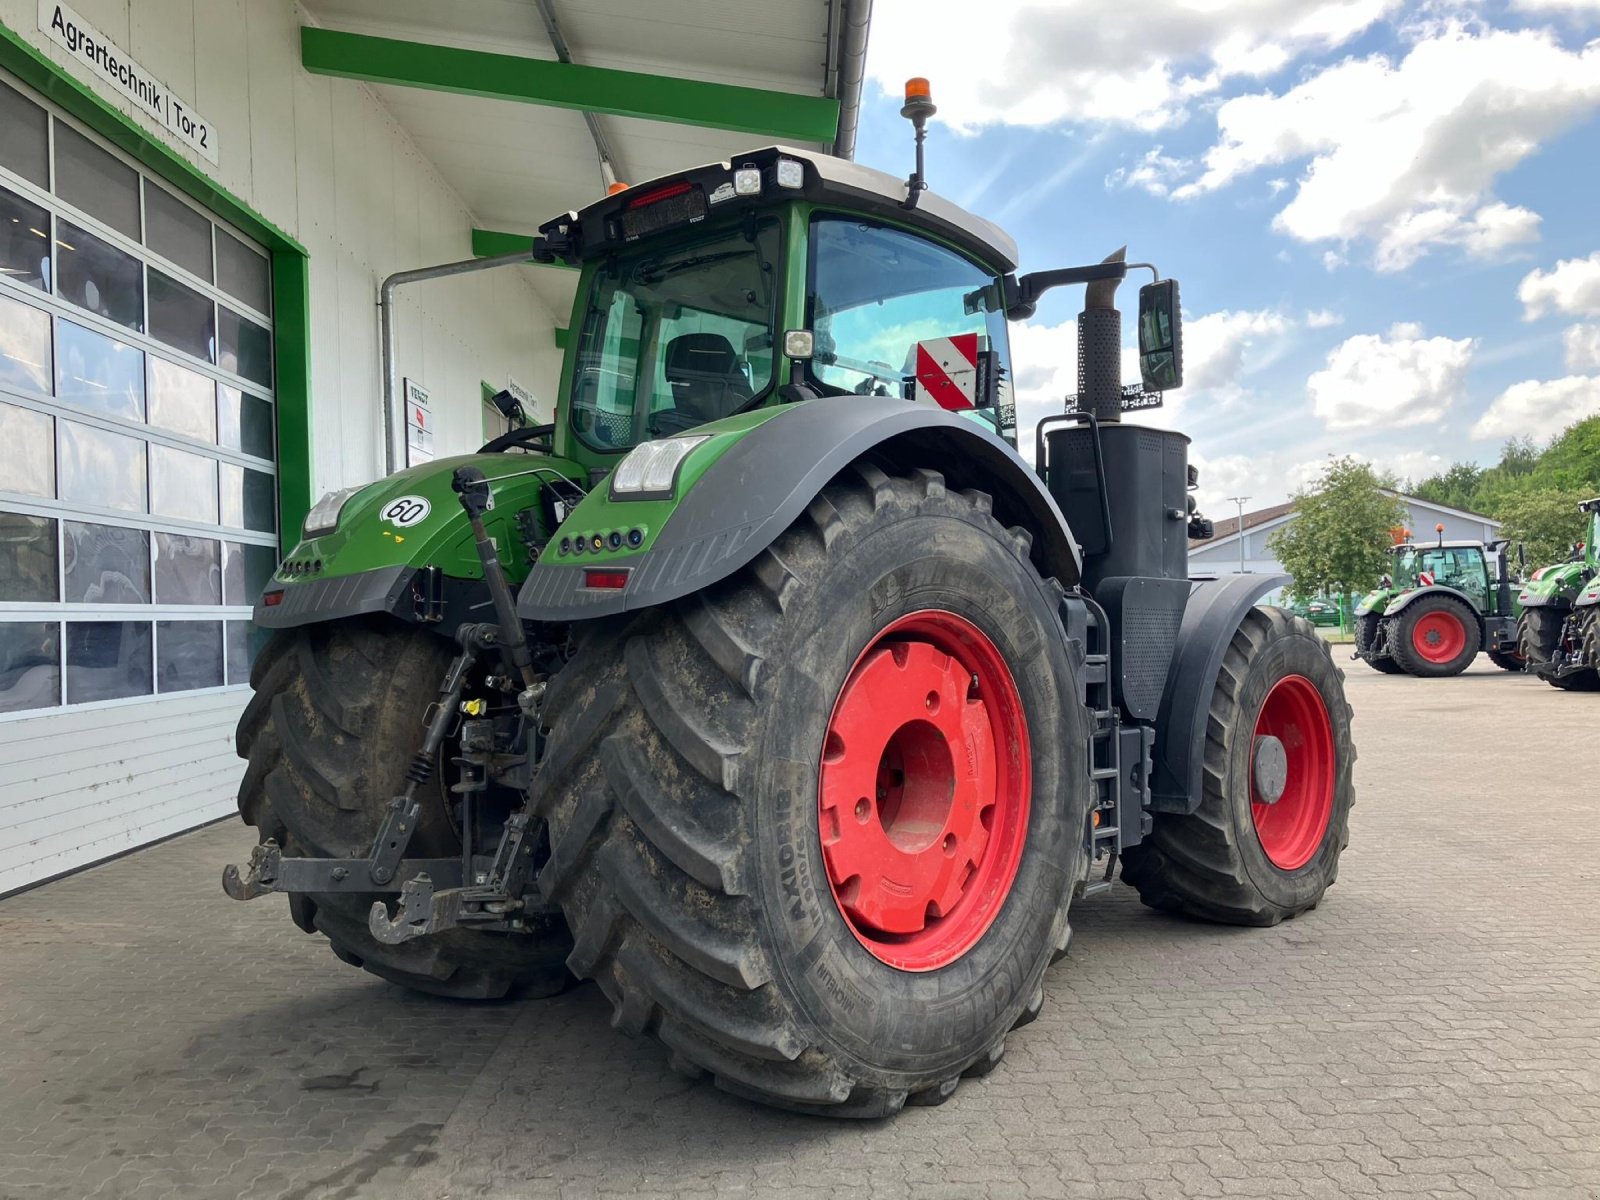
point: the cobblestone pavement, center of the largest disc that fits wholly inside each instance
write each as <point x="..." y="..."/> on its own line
<point x="1431" y="1030"/>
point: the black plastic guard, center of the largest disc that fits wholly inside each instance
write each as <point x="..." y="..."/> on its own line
<point x="1212" y="615"/>
<point x="759" y="487"/>
<point x="385" y="589"/>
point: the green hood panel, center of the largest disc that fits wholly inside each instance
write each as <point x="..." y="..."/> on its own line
<point x="1375" y="601"/>
<point x="1558" y="584"/>
<point x="413" y="518"/>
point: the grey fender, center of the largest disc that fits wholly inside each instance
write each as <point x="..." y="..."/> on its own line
<point x="761" y="485"/>
<point x="1438" y="589"/>
<point x="1210" y="619"/>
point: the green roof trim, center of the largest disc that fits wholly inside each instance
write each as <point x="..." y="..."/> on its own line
<point x="759" y="111"/>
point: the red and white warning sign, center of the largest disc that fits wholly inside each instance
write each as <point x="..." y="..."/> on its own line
<point x="419" y="424"/>
<point x="1425" y="579"/>
<point x="947" y="371"/>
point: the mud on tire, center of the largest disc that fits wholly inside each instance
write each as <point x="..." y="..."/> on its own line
<point x="1211" y="863"/>
<point x="681" y="787"/>
<point x="336" y="716"/>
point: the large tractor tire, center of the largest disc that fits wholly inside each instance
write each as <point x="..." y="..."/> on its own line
<point x="817" y="827"/>
<point x="1539" y="637"/>
<point x="1274" y="810"/>
<point x="1366" y="638"/>
<point x="1507" y="660"/>
<point x="336" y="717"/>
<point x="1435" y="637"/>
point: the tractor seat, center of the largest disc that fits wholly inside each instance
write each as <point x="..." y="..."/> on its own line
<point x="705" y="376"/>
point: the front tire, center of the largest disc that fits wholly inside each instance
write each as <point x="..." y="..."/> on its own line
<point x="1236" y="859"/>
<point x="726" y="774"/>
<point x="338" y="712"/>
<point x="1435" y="637"/>
<point x="1539" y="634"/>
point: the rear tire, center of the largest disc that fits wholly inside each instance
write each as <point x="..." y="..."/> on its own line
<point x="336" y="717"/>
<point x="686" y="792"/>
<point x="1435" y="637"/>
<point x="1218" y="862"/>
<point x="1507" y="661"/>
<point x="1366" y="638"/>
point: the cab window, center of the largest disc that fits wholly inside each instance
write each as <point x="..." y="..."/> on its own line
<point x="876" y="296"/>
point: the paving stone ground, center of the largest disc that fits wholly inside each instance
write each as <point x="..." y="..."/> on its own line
<point x="1432" y="1030"/>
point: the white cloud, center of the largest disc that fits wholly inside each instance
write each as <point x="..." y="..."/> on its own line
<point x="1332" y="260"/>
<point x="1323" y="318"/>
<point x="1582" y="346"/>
<point x="1405" y="154"/>
<point x="1572" y="287"/>
<point x="1539" y="408"/>
<point x="1154" y="173"/>
<point x="1021" y="63"/>
<point x="1374" y="382"/>
<point x="1214" y="345"/>
<point x="1558" y="6"/>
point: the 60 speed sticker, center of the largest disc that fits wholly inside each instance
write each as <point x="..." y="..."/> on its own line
<point x="406" y="511"/>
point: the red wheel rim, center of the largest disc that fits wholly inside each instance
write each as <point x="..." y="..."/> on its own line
<point x="923" y="790"/>
<point x="1438" y="636"/>
<point x="1291" y="829"/>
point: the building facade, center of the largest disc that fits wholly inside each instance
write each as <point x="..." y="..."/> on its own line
<point x="1221" y="554"/>
<point x="198" y="204"/>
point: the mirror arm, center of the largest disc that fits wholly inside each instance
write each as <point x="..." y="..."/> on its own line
<point x="1022" y="294"/>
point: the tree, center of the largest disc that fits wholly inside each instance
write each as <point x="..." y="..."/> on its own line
<point x="1545" y="520"/>
<point x="1455" y="488"/>
<point x="1339" y="541"/>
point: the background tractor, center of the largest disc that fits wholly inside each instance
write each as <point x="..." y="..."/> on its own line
<point x="816" y="706"/>
<point x="1438" y="608"/>
<point x="1560" y="626"/>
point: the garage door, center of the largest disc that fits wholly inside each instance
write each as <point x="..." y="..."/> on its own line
<point x="137" y="495"/>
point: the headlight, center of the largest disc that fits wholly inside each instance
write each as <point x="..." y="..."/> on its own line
<point x="324" y="515"/>
<point x="651" y="469"/>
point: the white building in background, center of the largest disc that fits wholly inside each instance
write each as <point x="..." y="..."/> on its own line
<point x="1221" y="553"/>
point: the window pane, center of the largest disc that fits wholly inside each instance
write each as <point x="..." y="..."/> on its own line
<point x="24" y="347"/>
<point x="24" y="239"/>
<point x="183" y="485"/>
<point x="107" y="660"/>
<point x="104" y="469"/>
<point x="89" y="178"/>
<point x="30" y="665"/>
<point x="27" y="451"/>
<point x="27" y="558"/>
<point x="182" y="400"/>
<point x="181" y="317"/>
<point x="24" y="144"/>
<point x="99" y="373"/>
<point x="106" y="564"/>
<point x="244" y="422"/>
<point x="95" y="275"/>
<point x="188" y="570"/>
<point x="175" y="231"/>
<point x="248" y="498"/>
<point x="242" y="273"/>
<point x="244" y="641"/>
<point x="189" y="655"/>
<point x="245" y="571"/>
<point x="245" y="348"/>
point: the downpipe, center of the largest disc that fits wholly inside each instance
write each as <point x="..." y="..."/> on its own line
<point x="393" y="430"/>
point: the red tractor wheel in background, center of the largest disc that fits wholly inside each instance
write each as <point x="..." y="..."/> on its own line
<point x="1274" y="810"/>
<point x="1435" y="636"/>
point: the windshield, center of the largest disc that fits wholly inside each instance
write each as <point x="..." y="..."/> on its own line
<point x="1460" y="567"/>
<point x="675" y="337"/>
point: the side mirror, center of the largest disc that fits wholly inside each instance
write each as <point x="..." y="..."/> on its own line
<point x="1522" y="558"/>
<point x="510" y="408"/>
<point x="1160" y="336"/>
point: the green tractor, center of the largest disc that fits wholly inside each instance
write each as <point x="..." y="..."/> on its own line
<point x="1560" y="627"/>
<point x="1438" y="608"/>
<point x="771" y="688"/>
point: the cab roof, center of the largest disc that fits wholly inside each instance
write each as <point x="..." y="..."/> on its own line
<point x="601" y="227"/>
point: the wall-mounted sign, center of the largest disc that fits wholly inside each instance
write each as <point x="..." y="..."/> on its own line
<point x="107" y="61"/>
<point x="419" y="424"/>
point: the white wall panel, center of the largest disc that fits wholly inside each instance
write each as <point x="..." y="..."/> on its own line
<point x="323" y="160"/>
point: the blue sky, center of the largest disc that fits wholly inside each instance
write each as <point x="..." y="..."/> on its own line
<point x="1385" y="215"/>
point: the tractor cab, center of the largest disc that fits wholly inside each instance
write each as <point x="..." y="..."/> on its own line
<point x="1459" y="565"/>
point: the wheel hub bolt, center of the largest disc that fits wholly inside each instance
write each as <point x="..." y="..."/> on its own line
<point x="1269" y="769"/>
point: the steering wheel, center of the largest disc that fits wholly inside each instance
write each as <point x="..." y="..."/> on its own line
<point x="534" y="437"/>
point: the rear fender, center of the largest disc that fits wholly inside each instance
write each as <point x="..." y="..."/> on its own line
<point x="1212" y="616"/>
<point x="1553" y="587"/>
<point x="762" y="475"/>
